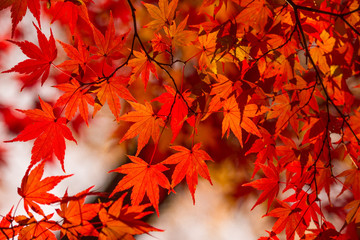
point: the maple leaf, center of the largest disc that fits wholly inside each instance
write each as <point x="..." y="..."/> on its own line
<point x="163" y="15"/>
<point x="7" y="229"/>
<point x="275" y="40"/>
<point x="352" y="181"/>
<point x="34" y="190"/>
<point x="232" y="119"/>
<point x="189" y="163"/>
<point x="284" y="110"/>
<point x="207" y="45"/>
<point x="160" y="43"/>
<point x="18" y="10"/>
<point x="310" y="210"/>
<point x="41" y="58"/>
<point x="68" y="12"/>
<point x="146" y="124"/>
<point x="37" y="229"/>
<point x="220" y="91"/>
<point x="266" y="82"/>
<point x="109" y="91"/>
<point x="109" y="46"/>
<point x="354" y="211"/>
<point x="144" y="178"/>
<point x="327" y="231"/>
<point x="75" y="98"/>
<point x="141" y="66"/>
<point x="255" y="14"/>
<point x="322" y="48"/>
<point x="270" y="185"/>
<point x="80" y="57"/>
<point x="50" y="133"/>
<point x="179" y="36"/>
<point x="122" y="222"/>
<point x="235" y="121"/>
<point x="77" y="215"/>
<point x="289" y="218"/>
<point x="264" y="149"/>
<point x="174" y="107"/>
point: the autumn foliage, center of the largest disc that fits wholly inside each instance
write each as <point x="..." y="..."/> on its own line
<point x="273" y="83"/>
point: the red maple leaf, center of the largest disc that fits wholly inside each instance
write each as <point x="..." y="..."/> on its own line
<point x="18" y="10"/>
<point x="38" y="65"/>
<point x="109" y="46"/>
<point x="50" y="133"/>
<point x="68" y="12"/>
<point x="270" y="185"/>
<point x="147" y="124"/>
<point x="189" y="163"/>
<point x="144" y="178"/>
<point x="7" y="229"/>
<point x="80" y="57"/>
<point x="289" y="218"/>
<point x="174" y="107"/>
<point x="34" y="190"/>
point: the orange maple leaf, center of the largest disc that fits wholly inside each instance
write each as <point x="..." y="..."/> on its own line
<point x="34" y="190"/>
<point x="323" y="48"/>
<point x="352" y="181"/>
<point x="40" y="230"/>
<point x="207" y="45"/>
<point x="179" y="36"/>
<point x="232" y="119"/>
<point x="235" y="121"/>
<point x="255" y="14"/>
<point x="189" y="163"/>
<point x="77" y="215"/>
<point x="221" y="91"/>
<point x="109" y="91"/>
<point x="122" y="222"/>
<point x="75" y="98"/>
<point x="354" y="211"/>
<point x="50" y="133"/>
<point x="146" y="124"/>
<point x="163" y="15"/>
<point x="144" y="178"/>
<point x="141" y="66"/>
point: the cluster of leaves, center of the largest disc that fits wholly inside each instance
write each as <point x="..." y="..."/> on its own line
<point x="274" y="76"/>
